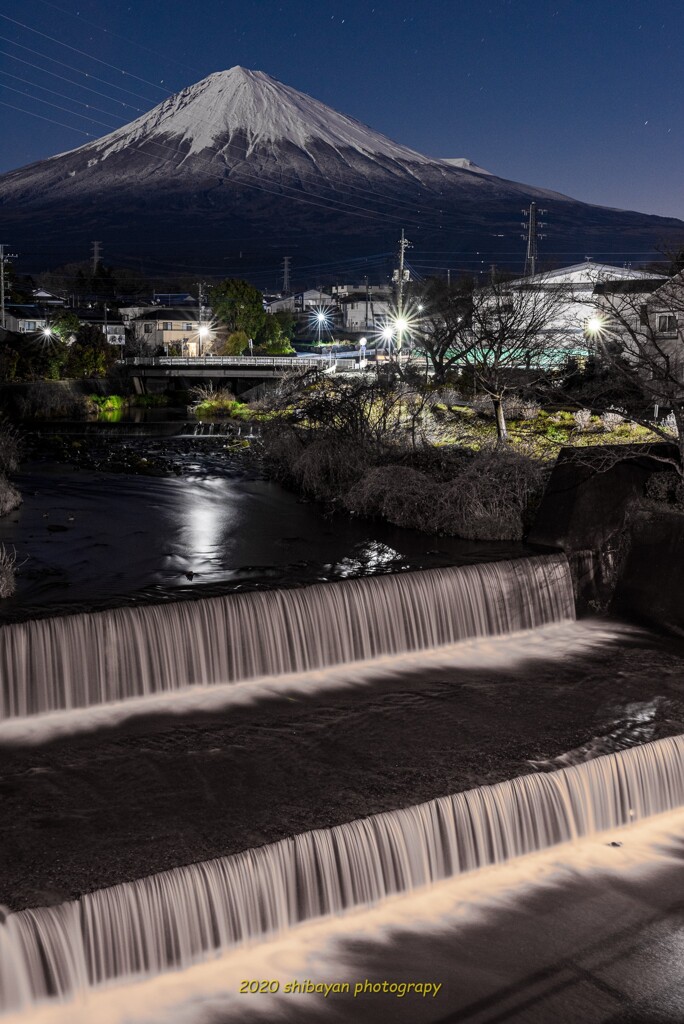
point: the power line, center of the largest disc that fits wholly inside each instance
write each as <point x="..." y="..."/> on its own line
<point x="63" y="96"/>
<point x="78" y="85"/>
<point x="116" y="35"/>
<point x="50" y="119"/>
<point x="74" y="113"/>
<point x="97" y="60"/>
<point x="87" y="74"/>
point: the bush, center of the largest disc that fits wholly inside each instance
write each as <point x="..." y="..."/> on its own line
<point x="670" y="425"/>
<point x="494" y="497"/>
<point x="665" y="488"/>
<point x="582" y="419"/>
<point x="9" y="496"/>
<point x="399" y="494"/>
<point x="521" y="408"/>
<point x="327" y="467"/>
<point x="612" y="419"/>
<point x="8" y="563"/>
<point x="10" y="447"/>
<point x="491" y="498"/>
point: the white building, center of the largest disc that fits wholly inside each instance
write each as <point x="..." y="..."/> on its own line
<point x="580" y="285"/>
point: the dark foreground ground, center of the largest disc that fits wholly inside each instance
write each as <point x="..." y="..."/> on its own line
<point x="114" y="805"/>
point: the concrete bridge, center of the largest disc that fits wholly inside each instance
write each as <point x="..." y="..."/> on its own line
<point x="144" y="369"/>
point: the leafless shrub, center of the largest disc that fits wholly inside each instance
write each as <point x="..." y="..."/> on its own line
<point x="492" y="498"/>
<point x="208" y="393"/>
<point x="399" y="494"/>
<point x="10" y="447"/>
<point x="10" y="497"/>
<point x="327" y="467"/>
<point x="42" y="401"/>
<point x="482" y="404"/>
<point x="8" y="572"/>
<point x="582" y="419"/>
<point x="665" y="489"/>
<point x="612" y="419"/>
<point x="446" y="396"/>
<point x="670" y="425"/>
<point x="489" y="499"/>
<point x="521" y="408"/>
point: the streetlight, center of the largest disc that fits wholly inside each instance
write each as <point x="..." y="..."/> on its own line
<point x="320" y="318"/>
<point x="362" y="352"/>
<point x="203" y="333"/>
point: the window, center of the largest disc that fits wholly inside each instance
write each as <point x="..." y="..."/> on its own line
<point x="167" y="326"/>
<point x="29" y="325"/>
<point x="187" y="327"/>
<point x="667" y="324"/>
<point x="147" y="328"/>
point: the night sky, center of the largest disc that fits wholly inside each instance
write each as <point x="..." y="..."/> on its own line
<point x="582" y="97"/>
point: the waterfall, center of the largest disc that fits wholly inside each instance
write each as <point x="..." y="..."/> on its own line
<point x="187" y="914"/>
<point x="88" y="659"/>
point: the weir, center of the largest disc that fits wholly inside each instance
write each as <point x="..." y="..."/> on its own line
<point x="182" y="916"/>
<point x="83" y="660"/>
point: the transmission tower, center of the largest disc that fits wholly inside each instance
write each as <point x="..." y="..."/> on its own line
<point x="532" y="235"/>
<point x="97" y="255"/>
<point x="286" y="274"/>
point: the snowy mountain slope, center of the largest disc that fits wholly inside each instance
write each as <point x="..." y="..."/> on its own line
<point x="241" y="160"/>
<point x="465" y="164"/>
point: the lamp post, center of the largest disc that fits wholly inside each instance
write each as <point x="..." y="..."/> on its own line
<point x="203" y="335"/>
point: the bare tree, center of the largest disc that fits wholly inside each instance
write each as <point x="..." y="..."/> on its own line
<point x="443" y="314"/>
<point x="641" y="340"/>
<point x="516" y="332"/>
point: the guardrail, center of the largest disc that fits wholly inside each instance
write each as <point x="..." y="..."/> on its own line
<point x="219" y="361"/>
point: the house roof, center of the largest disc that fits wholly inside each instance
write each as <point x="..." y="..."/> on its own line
<point x="642" y="286"/>
<point x="187" y="314"/>
<point x="589" y="272"/>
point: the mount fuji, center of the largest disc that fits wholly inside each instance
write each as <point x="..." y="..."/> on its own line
<point x="232" y="173"/>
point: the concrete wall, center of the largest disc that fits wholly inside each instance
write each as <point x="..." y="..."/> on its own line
<point x="588" y="512"/>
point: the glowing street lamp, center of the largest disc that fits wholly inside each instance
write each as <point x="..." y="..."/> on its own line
<point x="320" y="318"/>
<point x="203" y="335"/>
<point x="595" y="325"/>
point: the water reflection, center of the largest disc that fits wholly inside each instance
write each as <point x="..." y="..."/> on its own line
<point x="92" y="539"/>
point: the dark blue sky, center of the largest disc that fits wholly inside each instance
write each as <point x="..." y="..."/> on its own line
<point x="579" y="96"/>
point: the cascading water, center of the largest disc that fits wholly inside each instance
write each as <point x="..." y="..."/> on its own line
<point x="187" y="914"/>
<point x="88" y="659"/>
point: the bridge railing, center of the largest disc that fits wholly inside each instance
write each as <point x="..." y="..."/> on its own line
<point x="217" y="361"/>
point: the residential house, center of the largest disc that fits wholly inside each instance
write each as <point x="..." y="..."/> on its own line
<point x="25" y="319"/>
<point x="111" y="325"/>
<point x="171" y="329"/>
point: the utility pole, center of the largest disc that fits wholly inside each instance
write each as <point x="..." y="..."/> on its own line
<point x="200" y="315"/>
<point x="97" y="255"/>
<point x="532" y="236"/>
<point x="5" y="257"/>
<point x="286" y="274"/>
<point x="400" y="276"/>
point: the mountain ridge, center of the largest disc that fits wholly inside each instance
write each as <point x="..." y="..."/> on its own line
<point x="239" y="154"/>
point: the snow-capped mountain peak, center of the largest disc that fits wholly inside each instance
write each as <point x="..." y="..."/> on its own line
<point x="207" y="115"/>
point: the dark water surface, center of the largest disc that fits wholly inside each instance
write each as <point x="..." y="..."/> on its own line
<point x="87" y="539"/>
